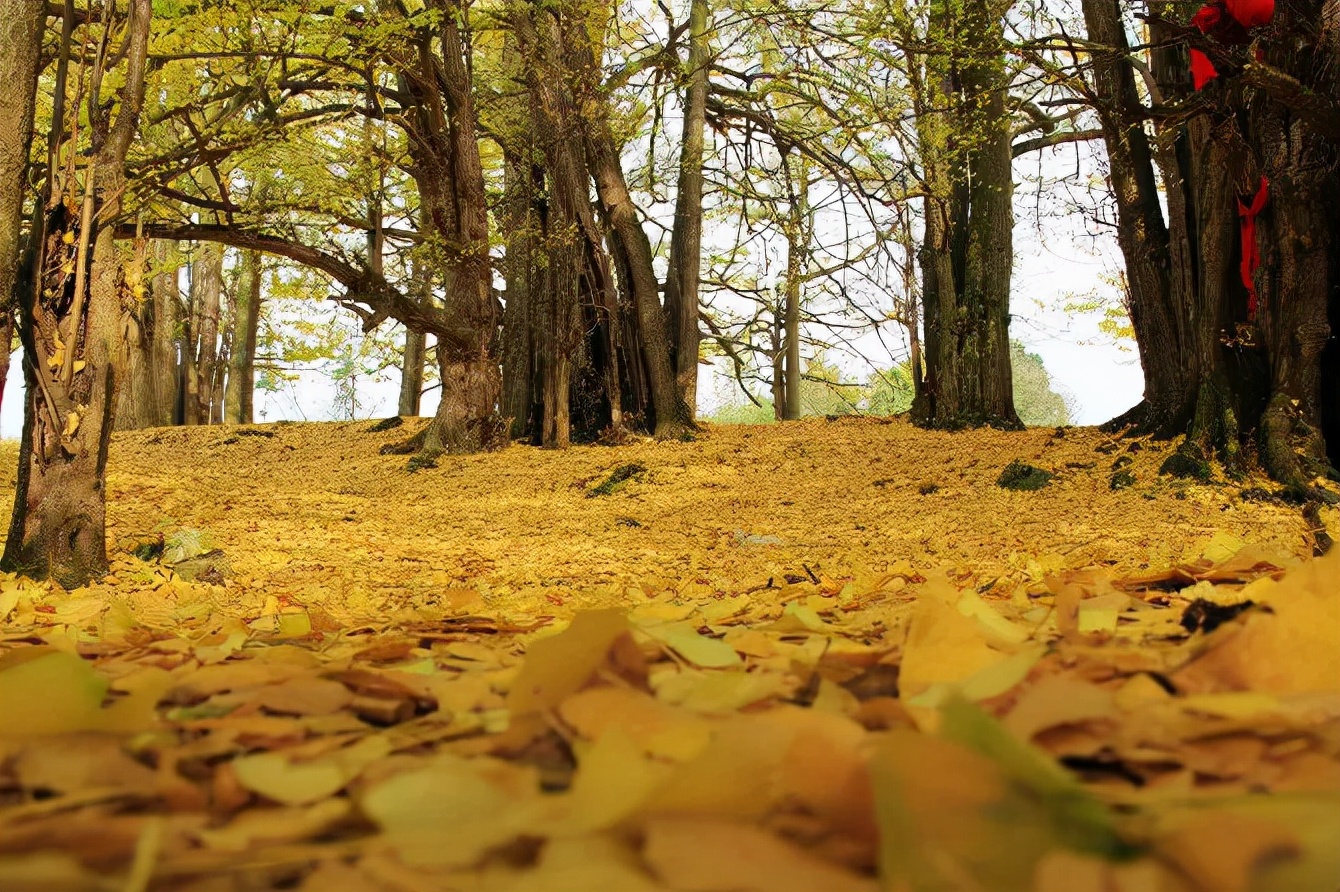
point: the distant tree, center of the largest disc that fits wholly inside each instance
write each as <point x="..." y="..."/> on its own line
<point x="1036" y="401"/>
<point x="822" y="391"/>
<point x="743" y="413"/>
<point x="960" y="83"/>
<point x="889" y="391"/>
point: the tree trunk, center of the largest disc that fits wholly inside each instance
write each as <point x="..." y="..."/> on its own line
<point x="444" y="148"/>
<point x="206" y="302"/>
<point x="239" y="399"/>
<point x="1211" y="371"/>
<point x="411" y="374"/>
<point x="70" y="326"/>
<point x="136" y="400"/>
<point x="165" y="291"/>
<point x="684" y="277"/>
<point x="799" y="223"/>
<point x="628" y="240"/>
<point x="567" y="354"/>
<point x="21" y="23"/>
<point x="967" y="249"/>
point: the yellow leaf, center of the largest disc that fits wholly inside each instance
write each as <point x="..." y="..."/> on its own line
<point x="271" y="826"/>
<point x="561" y="665"/>
<point x="44" y="691"/>
<point x="942" y="645"/>
<point x="276" y="776"/>
<point x="698" y="854"/>
<point x="710" y="653"/>
<point x="452" y="811"/>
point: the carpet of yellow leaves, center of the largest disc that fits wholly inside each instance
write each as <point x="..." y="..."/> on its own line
<point x="814" y="657"/>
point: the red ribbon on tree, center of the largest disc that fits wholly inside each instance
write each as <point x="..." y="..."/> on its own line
<point x="1251" y="13"/>
<point x="1227" y="21"/>
<point x="1251" y="254"/>
<point x="1202" y="69"/>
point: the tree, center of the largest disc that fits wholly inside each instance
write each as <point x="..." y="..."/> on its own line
<point x="1035" y="399"/>
<point x="960" y="93"/>
<point x="21" y="23"/>
<point x="1249" y="169"/>
<point x="442" y="129"/>
<point x="890" y="391"/>
<point x="70" y="322"/>
<point x="152" y="378"/>
<point x="247" y="295"/>
<point x="684" y="278"/>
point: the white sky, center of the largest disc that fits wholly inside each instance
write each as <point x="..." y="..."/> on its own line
<point x="1103" y="378"/>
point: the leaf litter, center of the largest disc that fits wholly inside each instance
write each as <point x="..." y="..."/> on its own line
<point x="794" y="673"/>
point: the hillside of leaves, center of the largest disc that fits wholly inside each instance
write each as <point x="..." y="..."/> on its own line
<point x="812" y="656"/>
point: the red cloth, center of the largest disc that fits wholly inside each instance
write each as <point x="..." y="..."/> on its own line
<point x="1251" y="254"/>
<point x="1251" y="13"/>
<point x="1202" y="69"/>
<point x="1227" y="21"/>
<point x="1207" y="17"/>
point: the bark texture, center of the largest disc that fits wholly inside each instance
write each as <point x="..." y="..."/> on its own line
<point x="21" y="24"/>
<point x="71" y="326"/>
<point x="967" y="249"/>
<point x="444" y="148"/>
<point x="239" y="399"/>
<point x="1227" y="380"/>
<point x="686" y="241"/>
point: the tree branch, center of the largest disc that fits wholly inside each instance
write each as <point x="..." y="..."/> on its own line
<point x="365" y="292"/>
<point x="1055" y="138"/>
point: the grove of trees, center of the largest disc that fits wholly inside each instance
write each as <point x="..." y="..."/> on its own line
<point x="557" y="212"/>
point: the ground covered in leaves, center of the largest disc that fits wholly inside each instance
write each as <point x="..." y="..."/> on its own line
<point x="815" y="657"/>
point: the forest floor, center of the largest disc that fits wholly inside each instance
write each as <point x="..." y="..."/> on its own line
<point x="814" y="656"/>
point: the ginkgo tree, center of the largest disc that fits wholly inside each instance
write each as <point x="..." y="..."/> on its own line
<point x="73" y="287"/>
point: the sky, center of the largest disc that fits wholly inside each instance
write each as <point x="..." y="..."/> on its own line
<point x="1103" y="378"/>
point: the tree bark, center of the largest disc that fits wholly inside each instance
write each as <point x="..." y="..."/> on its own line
<point x="569" y="359"/>
<point x="411" y="374"/>
<point x="798" y="231"/>
<point x="683" y="280"/>
<point x="70" y="326"/>
<point x="238" y="401"/>
<point x="444" y="147"/>
<point x="628" y="240"/>
<point x="21" y="23"/>
<point x="1211" y="372"/>
<point x="967" y="248"/>
<point x="206" y="301"/>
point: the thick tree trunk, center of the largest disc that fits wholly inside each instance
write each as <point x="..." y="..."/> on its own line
<point x="21" y="23"/>
<point x="1211" y="371"/>
<point x="444" y="146"/>
<point x="519" y="229"/>
<point x="1160" y="294"/>
<point x="967" y="249"/>
<point x="684" y="277"/>
<point x="238" y="401"/>
<point x="71" y="328"/>
<point x="136" y="400"/>
<point x="148" y="394"/>
<point x="628" y="240"/>
<point x="206" y="304"/>
<point x="567" y="353"/>
<point x="165" y="291"/>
